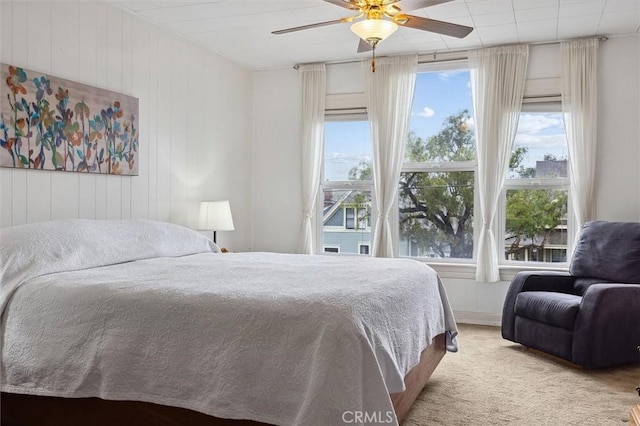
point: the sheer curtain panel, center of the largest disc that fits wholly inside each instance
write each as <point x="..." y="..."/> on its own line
<point x="313" y="80"/>
<point x="578" y="60"/>
<point x="497" y="85"/>
<point x="389" y="96"/>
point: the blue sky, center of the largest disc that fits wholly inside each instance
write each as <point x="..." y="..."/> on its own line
<point x="541" y="133"/>
<point x="438" y="95"/>
<point x="346" y="144"/>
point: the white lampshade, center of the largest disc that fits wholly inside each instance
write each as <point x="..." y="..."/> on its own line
<point x="215" y="216"/>
<point x="374" y="29"/>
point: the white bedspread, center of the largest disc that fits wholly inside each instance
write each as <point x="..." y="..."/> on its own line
<point x="282" y="339"/>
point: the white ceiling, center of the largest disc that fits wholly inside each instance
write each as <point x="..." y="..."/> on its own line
<point x="240" y="30"/>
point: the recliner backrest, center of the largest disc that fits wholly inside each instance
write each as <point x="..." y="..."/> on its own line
<point x="608" y="250"/>
<point x="582" y="284"/>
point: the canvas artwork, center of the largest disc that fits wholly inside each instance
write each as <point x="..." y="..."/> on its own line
<point x="50" y="123"/>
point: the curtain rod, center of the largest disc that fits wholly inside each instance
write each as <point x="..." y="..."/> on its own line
<point x="446" y="56"/>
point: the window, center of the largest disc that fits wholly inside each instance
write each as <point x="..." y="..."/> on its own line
<point x="536" y="196"/>
<point x="437" y="184"/>
<point x="346" y="186"/>
<point x="350" y="217"/>
<point x="357" y="216"/>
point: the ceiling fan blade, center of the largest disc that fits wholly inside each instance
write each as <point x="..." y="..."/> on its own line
<point x="343" y="3"/>
<point x="440" y="27"/>
<point x="364" y="46"/>
<point x="406" y="5"/>
<point x="306" y="27"/>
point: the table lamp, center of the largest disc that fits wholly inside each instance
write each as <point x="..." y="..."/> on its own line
<point x="215" y="216"/>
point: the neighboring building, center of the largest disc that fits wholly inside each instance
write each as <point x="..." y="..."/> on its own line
<point x="345" y="222"/>
<point x="551" y="247"/>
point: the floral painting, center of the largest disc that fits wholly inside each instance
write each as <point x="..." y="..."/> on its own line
<point x="50" y="123"/>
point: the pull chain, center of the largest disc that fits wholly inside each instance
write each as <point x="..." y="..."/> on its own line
<point x="373" y="60"/>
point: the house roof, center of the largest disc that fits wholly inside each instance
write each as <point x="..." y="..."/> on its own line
<point x="332" y="205"/>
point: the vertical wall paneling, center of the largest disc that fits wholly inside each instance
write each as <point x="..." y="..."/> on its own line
<point x="163" y="178"/>
<point x="208" y="158"/>
<point x="194" y="136"/>
<point x="6" y="35"/>
<point x="203" y="140"/>
<point x="64" y="63"/>
<point x="101" y="37"/>
<point x="5" y="197"/>
<point x="140" y="89"/>
<point x="191" y="105"/>
<point x="19" y="56"/>
<point x="87" y="70"/>
<point x="39" y="53"/>
<point x="114" y="82"/>
<point x="179" y="144"/>
<point x="126" y="49"/>
<point x="152" y="136"/>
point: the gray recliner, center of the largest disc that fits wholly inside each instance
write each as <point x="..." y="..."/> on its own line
<point x="591" y="315"/>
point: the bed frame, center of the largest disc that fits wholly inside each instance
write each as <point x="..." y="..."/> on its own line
<point x="29" y="410"/>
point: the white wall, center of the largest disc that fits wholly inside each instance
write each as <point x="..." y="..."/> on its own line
<point x="277" y="130"/>
<point x="194" y="106"/>
<point x="277" y="173"/>
<point x="618" y="177"/>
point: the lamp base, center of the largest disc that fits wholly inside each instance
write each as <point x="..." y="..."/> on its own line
<point x="634" y="416"/>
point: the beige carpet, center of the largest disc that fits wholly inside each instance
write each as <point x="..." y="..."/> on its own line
<point x="491" y="381"/>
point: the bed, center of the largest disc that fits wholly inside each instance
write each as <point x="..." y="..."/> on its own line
<point x="151" y="313"/>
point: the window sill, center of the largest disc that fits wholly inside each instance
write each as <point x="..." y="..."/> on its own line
<point x="467" y="271"/>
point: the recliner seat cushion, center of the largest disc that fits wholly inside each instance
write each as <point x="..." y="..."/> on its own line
<point x="608" y="250"/>
<point x="557" y="309"/>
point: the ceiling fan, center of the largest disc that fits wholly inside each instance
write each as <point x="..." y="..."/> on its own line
<point x="374" y="27"/>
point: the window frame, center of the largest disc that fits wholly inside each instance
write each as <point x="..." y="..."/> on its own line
<point x="435" y="167"/>
<point x="539" y="97"/>
<point x="343" y="107"/>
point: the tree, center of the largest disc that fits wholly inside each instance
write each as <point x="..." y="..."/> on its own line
<point x="362" y="171"/>
<point x="436" y="208"/>
<point x="516" y="169"/>
<point x="533" y="215"/>
<point x="359" y="200"/>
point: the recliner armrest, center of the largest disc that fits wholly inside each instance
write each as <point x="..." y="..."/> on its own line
<point x="561" y="282"/>
<point x="607" y="327"/>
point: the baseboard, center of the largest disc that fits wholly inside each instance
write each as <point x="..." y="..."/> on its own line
<point x="478" y="318"/>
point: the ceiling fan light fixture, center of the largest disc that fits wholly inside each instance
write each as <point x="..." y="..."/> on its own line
<point x="374" y="30"/>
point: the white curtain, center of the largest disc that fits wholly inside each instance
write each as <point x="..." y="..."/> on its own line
<point x="389" y="97"/>
<point x="497" y="84"/>
<point x="579" y="104"/>
<point x="313" y="79"/>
